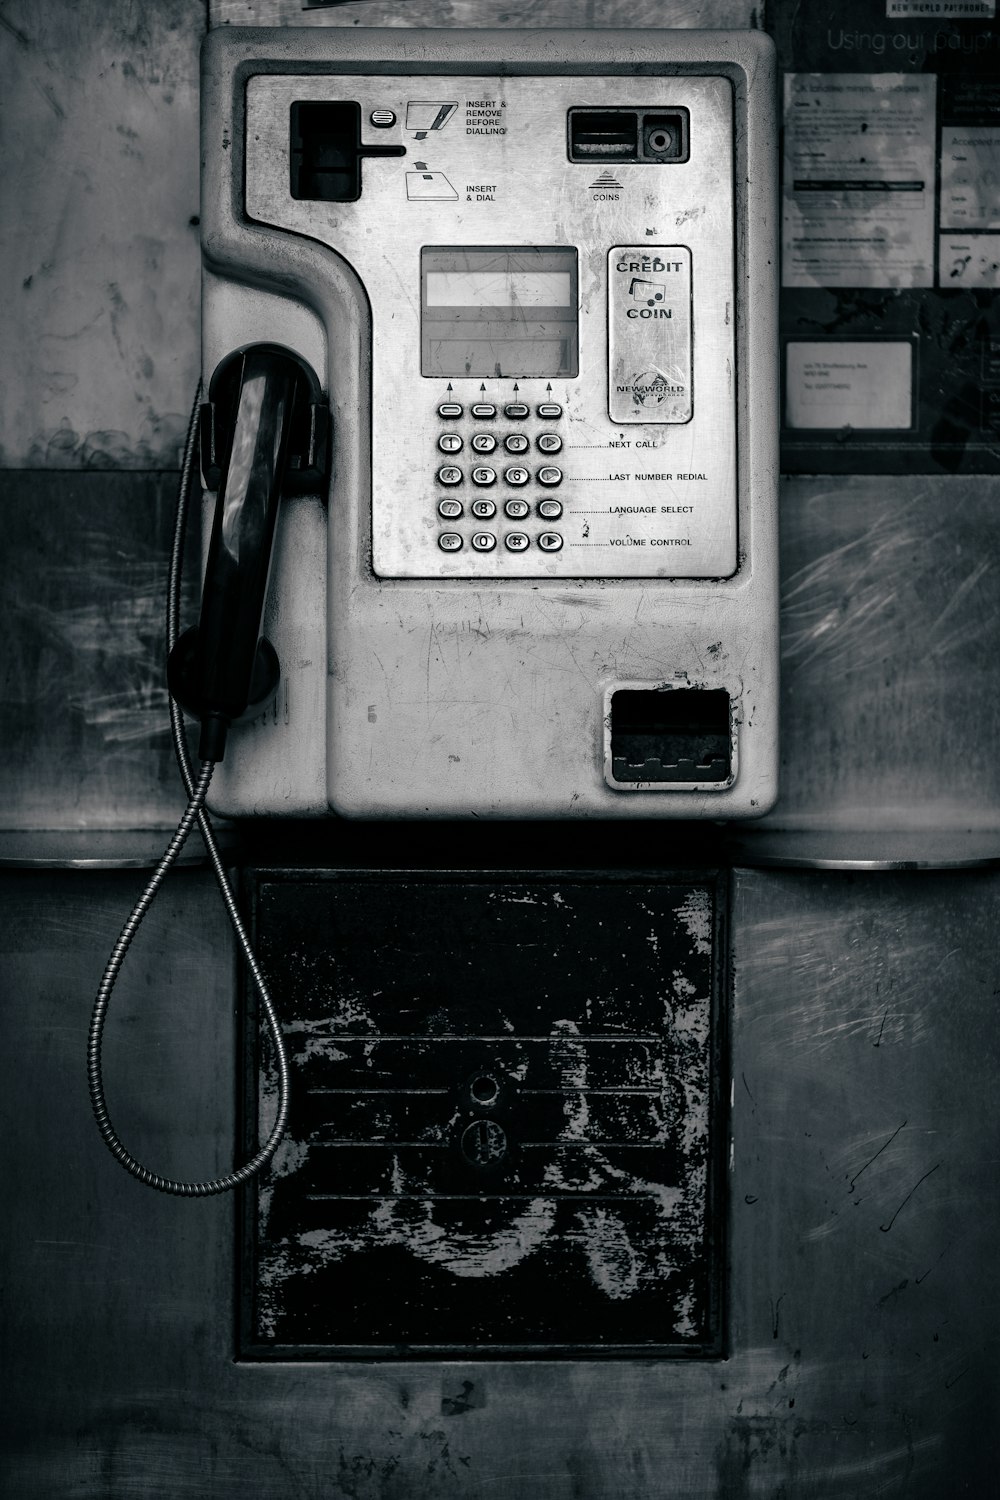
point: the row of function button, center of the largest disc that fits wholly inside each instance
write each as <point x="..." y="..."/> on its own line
<point x="514" y="541"/>
<point x="514" y="442"/>
<point x="515" y="475"/>
<point x="485" y="510"/>
<point x="485" y="409"/>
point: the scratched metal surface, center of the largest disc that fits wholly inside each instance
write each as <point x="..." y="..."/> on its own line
<point x="861" y="1265"/>
<point x="503" y="1134"/>
<point x="98" y="232"/>
<point x="82" y="615"/>
<point x="890" y="634"/>
<point x="514" y="13"/>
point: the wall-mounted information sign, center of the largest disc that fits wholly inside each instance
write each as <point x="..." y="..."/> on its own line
<point x="890" y="316"/>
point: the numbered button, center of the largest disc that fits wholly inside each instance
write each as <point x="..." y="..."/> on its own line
<point x="550" y="409"/>
<point x="449" y="442"/>
<point x="517" y="541"/>
<point x="550" y="510"/>
<point x="484" y="409"/>
<point x="549" y="442"/>
<point x="550" y="475"/>
<point x="448" y="475"/>
<point x="484" y="442"/>
<point x="516" y="509"/>
<point x="516" y="443"/>
<point x="484" y="475"/>
<point x="483" y="510"/>
<point x="450" y="541"/>
<point x="515" y="409"/>
<point x="550" y="541"/>
<point x="483" y="541"/>
<point x="449" y="409"/>
<point x="450" y="509"/>
<point x="516" y="475"/>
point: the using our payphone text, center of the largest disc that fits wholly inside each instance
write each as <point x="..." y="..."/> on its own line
<point x="494" y="313"/>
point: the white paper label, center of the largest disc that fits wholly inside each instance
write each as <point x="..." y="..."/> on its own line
<point x="858" y="180"/>
<point x="843" y="383"/>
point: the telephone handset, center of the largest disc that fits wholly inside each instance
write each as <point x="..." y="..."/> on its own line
<point x="224" y="670"/>
<point x="263" y="432"/>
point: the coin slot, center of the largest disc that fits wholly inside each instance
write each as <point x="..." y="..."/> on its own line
<point x="603" y="135"/>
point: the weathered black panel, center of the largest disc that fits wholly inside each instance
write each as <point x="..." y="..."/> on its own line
<point x="504" y="1125"/>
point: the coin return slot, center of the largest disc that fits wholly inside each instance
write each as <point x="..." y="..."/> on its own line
<point x="673" y="735"/>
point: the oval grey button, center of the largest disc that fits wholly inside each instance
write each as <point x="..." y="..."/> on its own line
<point x="484" y="475"/>
<point x="516" y="476"/>
<point x="449" y="509"/>
<point x="484" y="409"/>
<point x="516" y="443"/>
<point x="517" y="509"/>
<point x="483" y="541"/>
<point x="383" y="118"/>
<point x="449" y="409"/>
<point x="484" y="442"/>
<point x="550" y="541"/>
<point x="549" y="442"/>
<point x="516" y="541"/>
<point x="550" y="510"/>
<point x="483" y="510"/>
<point x="515" y="409"/>
<point x="450" y="476"/>
<point x="550" y="475"/>
<point x="449" y="442"/>
<point x="450" y="541"/>
<point x="550" y="409"/>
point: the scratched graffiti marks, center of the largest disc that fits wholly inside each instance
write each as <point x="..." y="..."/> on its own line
<point x="503" y="1131"/>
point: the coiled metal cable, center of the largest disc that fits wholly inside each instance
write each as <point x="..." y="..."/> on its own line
<point x="197" y="790"/>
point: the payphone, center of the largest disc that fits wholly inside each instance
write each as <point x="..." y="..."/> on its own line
<point x="489" y="437"/>
<point x="534" y="274"/>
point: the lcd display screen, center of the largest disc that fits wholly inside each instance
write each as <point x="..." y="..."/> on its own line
<point x="499" y="311"/>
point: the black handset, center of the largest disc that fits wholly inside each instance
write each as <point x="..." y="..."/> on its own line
<point x="260" y="436"/>
<point x="263" y="432"/>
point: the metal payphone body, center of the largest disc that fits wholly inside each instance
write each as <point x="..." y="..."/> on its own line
<point x="536" y="274"/>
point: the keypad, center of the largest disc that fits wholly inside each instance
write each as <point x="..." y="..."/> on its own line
<point x="514" y="475"/>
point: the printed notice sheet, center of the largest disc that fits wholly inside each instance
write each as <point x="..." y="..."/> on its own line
<point x="859" y="175"/>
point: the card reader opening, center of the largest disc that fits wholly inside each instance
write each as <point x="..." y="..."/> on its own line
<point x="325" y="150"/>
<point x="671" y="735"/>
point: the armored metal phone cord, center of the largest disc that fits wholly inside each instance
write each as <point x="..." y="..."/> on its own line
<point x="197" y="790"/>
